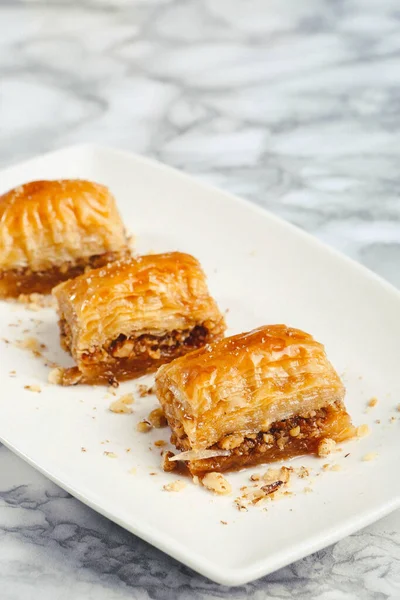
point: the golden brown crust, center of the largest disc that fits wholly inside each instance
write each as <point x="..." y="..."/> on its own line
<point x="131" y="316"/>
<point x="243" y="384"/>
<point x="56" y="226"/>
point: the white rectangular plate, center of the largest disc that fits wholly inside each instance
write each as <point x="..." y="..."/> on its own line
<point x="264" y="271"/>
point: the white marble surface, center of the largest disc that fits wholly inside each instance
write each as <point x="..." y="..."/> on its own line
<point x="294" y="105"/>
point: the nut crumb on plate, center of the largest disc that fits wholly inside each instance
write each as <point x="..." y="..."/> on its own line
<point x="216" y="483"/>
<point x="369" y="456"/>
<point x="144" y="390"/>
<point x="110" y="454"/>
<point x="33" y="388"/>
<point x="83" y="449"/>
<point x="157" y="418"/>
<point x="174" y="486"/>
<point x="166" y="464"/>
<point x="55" y="376"/>
<point x="144" y="427"/>
<point x="362" y="430"/>
<point x="123" y="404"/>
<point x="326" y="446"/>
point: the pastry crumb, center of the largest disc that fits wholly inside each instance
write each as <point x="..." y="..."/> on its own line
<point x="168" y="465"/>
<point x="336" y="467"/>
<point x="216" y="482"/>
<point x="157" y="418"/>
<point x="144" y="390"/>
<point x="326" y="446"/>
<point x="144" y="427"/>
<point x="33" y="388"/>
<point x="369" y="456"/>
<point x="160" y="443"/>
<point x="122" y="405"/>
<point x="174" y="486"/>
<point x="362" y="431"/>
<point x="196" y="480"/>
<point x="373" y="402"/>
<point x="55" y="376"/>
<point x="308" y="490"/>
<point x="302" y="472"/>
<point x="110" y="454"/>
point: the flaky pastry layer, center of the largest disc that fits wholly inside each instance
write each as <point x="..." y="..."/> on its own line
<point x="244" y="384"/>
<point x="130" y="317"/>
<point x="48" y="224"/>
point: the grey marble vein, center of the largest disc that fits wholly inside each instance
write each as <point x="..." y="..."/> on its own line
<point x="294" y="105"/>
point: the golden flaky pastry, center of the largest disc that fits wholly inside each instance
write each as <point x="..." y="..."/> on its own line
<point x="51" y="230"/>
<point x="126" y="319"/>
<point x="254" y="397"/>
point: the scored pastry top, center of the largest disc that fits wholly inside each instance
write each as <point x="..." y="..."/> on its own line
<point x="244" y="383"/>
<point x="153" y="294"/>
<point x="48" y="223"/>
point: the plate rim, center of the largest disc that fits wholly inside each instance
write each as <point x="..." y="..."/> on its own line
<point x="227" y="576"/>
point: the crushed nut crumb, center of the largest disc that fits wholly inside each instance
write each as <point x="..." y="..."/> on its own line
<point x="326" y="446"/>
<point x="157" y="418"/>
<point x="224" y="522"/>
<point x="33" y="388"/>
<point x="217" y="483"/>
<point x="55" y="376"/>
<point x="392" y="420"/>
<point x="295" y="431"/>
<point x="166" y="464"/>
<point x="174" y="486"/>
<point x="362" y="431"/>
<point x="229" y="442"/>
<point x="122" y="405"/>
<point x="83" y="449"/>
<point x="144" y="390"/>
<point x="369" y="456"/>
<point x="302" y="472"/>
<point x="144" y="427"/>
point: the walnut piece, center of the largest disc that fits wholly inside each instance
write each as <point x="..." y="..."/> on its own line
<point x="174" y="486"/>
<point x="166" y="464"/>
<point x="157" y="418"/>
<point x="326" y="446"/>
<point x="362" y="431"/>
<point x="216" y="483"/>
<point x="123" y="404"/>
<point x="144" y="427"/>
<point x="33" y="388"/>
<point x="231" y="441"/>
<point x="55" y="376"/>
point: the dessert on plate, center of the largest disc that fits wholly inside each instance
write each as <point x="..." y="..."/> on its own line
<point x="257" y="397"/>
<point x="51" y="231"/>
<point x="130" y="317"/>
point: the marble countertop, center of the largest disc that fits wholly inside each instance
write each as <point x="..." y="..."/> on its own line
<point x="294" y="105"/>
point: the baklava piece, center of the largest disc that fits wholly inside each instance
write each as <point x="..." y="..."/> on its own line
<point x="257" y="397"/>
<point x="130" y="317"/>
<point x="51" y="231"/>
